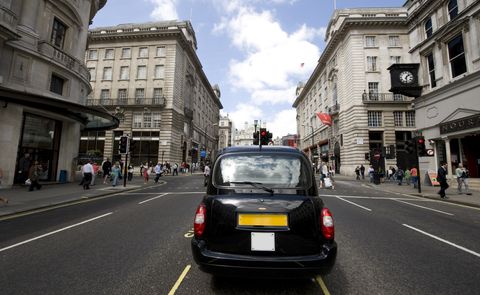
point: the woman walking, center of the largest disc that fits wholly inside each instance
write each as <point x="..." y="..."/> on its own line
<point x="115" y="173"/>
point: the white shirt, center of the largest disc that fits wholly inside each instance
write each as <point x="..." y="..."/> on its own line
<point x="206" y="172"/>
<point x="87" y="168"/>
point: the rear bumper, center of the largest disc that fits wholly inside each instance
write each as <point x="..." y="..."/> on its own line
<point x="248" y="265"/>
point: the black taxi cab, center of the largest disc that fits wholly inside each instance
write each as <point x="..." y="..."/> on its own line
<point x="262" y="215"/>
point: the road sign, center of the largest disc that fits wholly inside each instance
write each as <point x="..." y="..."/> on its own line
<point x="430" y="152"/>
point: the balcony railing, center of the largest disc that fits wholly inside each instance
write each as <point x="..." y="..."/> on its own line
<point x="385" y="97"/>
<point x="155" y="101"/>
<point x="60" y="56"/>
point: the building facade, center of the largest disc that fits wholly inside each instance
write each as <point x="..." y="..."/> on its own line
<point x="444" y="40"/>
<point x="149" y="75"/>
<point x="225" y="134"/>
<point x="351" y="85"/>
<point x="44" y="85"/>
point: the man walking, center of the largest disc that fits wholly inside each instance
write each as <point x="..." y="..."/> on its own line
<point x="158" y="172"/>
<point x="87" y="171"/>
<point x="442" y="179"/>
<point x="362" y="171"/>
<point x="206" y="173"/>
<point x="462" y="178"/>
<point x="106" y="168"/>
<point x="414" y="176"/>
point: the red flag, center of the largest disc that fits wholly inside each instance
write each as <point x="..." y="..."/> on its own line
<point x="325" y="118"/>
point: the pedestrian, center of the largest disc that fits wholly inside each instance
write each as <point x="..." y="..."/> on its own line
<point x="389" y="173"/>
<point x="362" y="171"/>
<point x="106" y="168"/>
<point x="442" y="179"/>
<point x="130" y="172"/>
<point x="3" y="199"/>
<point x="95" y="172"/>
<point x="24" y="167"/>
<point x="206" y="174"/>
<point x="400" y="174"/>
<point x="87" y="172"/>
<point x="116" y="171"/>
<point x="34" y="174"/>
<point x="370" y="173"/>
<point x="414" y="176"/>
<point x="462" y="178"/>
<point x="145" y="175"/>
<point x="158" y="172"/>
<point x="175" y="169"/>
<point x="357" y="172"/>
<point x="407" y="176"/>
<point x="394" y="171"/>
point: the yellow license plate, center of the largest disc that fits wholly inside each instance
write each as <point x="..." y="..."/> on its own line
<point x="262" y="220"/>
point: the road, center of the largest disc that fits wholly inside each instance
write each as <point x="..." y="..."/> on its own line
<point x="139" y="243"/>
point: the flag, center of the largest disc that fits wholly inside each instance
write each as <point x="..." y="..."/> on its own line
<point x="325" y="118"/>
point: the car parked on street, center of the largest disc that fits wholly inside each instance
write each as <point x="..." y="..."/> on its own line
<point x="262" y="215"/>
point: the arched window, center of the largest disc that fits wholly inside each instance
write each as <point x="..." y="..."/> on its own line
<point x="428" y="27"/>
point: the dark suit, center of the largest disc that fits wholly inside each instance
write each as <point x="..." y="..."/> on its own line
<point x="442" y="179"/>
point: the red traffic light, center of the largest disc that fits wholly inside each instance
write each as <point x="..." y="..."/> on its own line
<point x="264" y="133"/>
<point x="421" y="141"/>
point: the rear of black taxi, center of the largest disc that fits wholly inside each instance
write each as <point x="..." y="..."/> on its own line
<point x="262" y="216"/>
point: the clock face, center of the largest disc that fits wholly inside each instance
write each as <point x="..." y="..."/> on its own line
<point x="406" y="77"/>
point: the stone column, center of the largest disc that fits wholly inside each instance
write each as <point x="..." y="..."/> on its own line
<point x="28" y="21"/>
<point x="449" y="157"/>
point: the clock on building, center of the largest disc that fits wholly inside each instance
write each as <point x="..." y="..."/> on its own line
<point x="404" y="79"/>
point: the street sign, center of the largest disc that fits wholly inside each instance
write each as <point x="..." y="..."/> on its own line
<point x="430" y="152"/>
<point x="376" y="156"/>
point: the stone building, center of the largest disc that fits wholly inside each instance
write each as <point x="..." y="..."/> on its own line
<point x="444" y="40"/>
<point x="225" y="132"/>
<point x="44" y="85"/>
<point x="150" y="76"/>
<point x="351" y="84"/>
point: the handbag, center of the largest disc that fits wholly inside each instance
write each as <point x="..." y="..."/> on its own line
<point x="28" y="181"/>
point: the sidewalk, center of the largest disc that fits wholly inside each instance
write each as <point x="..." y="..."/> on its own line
<point x="20" y="200"/>
<point x="428" y="192"/>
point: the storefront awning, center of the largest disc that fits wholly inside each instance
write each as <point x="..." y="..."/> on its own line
<point x="90" y="118"/>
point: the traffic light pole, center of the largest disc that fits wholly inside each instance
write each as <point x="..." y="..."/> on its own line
<point x="418" y="166"/>
<point x="125" y="171"/>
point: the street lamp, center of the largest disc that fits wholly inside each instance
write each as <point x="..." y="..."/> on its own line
<point x="311" y="148"/>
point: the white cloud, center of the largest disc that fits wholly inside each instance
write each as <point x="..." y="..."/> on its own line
<point x="245" y="113"/>
<point x="283" y="123"/>
<point x="164" y="10"/>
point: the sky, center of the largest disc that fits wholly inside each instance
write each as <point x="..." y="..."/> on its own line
<point x="256" y="51"/>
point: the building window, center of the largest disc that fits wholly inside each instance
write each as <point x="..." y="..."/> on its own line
<point x="147" y="120"/>
<point x="373" y="90"/>
<point x="371" y="63"/>
<point x="124" y="73"/>
<point x="394" y="41"/>
<point x="428" y="27"/>
<point x="456" y="55"/>
<point x="58" y="33"/>
<point x="452" y="9"/>
<point x="126" y="52"/>
<point x="56" y="84"/>
<point x="374" y="119"/>
<point x="105" y="96"/>
<point x="143" y="52"/>
<point x="369" y="41"/>
<point x="395" y="60"/>
<point x="93" y="74"/>
<point x="156" y="119"/>
<point x="109" y="53"/>
<point x="431" y="70"/>
<point x="107" y="73"/>
<point x="159" y="72"/>
<point x="410" y="118"/>
<point x="161" y="51"/>
<point x="398" y="119"/>
<point x="137" y="120"/>
<point x="92" y="54"/>
<point x="139" y="95"/>
<point x="122" y="96"/>
<point x="142" y="72"/>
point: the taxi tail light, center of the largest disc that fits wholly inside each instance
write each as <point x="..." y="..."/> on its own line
<point x="328" y="229"/>
<point x="200" y="220"/>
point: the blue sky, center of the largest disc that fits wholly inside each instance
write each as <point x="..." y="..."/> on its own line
<point x="253" y="49"/>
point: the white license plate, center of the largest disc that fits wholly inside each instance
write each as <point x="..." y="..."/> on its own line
<point x="263" y="241"/>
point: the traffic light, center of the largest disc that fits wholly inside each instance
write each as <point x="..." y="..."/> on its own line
<point x="410" y="146"/>
<point x="263" y="136"/>
<point x="255" y="138"/>
<point x="269" y="136"/>
<point x="133" y="145"/>
<point x="421" y="149"/>
<point x="123" y="147"/>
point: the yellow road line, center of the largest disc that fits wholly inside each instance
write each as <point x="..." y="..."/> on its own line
<point x="322" y="285"/>
<point x="180" y="279"/>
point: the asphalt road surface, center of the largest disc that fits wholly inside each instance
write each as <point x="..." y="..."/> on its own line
<point x="139" y="243"/>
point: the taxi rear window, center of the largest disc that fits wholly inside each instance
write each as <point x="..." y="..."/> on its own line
<point x="273" y="170"/>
